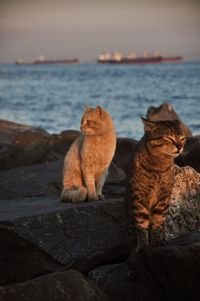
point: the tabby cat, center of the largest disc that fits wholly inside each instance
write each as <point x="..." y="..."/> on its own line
<point x="87" y="161"/>
<point x="151" y="180"/>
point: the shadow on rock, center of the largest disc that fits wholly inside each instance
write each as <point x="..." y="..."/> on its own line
<point x="170" y="272"/>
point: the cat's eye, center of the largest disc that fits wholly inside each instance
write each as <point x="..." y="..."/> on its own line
<point x="170" y="139"/>
<point x="91" y="123"/>
<point x="183" y="139"/>
<point x="157" y="138"/>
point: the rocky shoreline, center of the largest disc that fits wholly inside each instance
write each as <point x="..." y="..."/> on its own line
<point x="51" y="250"/>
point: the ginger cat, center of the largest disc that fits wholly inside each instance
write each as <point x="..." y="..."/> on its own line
<point x="87" y="161"/>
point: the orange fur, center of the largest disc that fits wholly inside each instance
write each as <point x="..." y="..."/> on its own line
<point x="88" y="159"/>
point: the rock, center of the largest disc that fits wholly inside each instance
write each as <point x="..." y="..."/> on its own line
<point x="115" y="174"/>
<point x="60" y="144"/>
<point x="191" y="153"/>
<point x="20" y="260"/>
<point x="38" y="235"/>
<point x="42" y="180"/>
<point x="124" y="149"/>
<point x="170" y="272"/>
<point x="184" y="212"/>
<point x="39" y="180"/>
<point x="166" y="112"/>
<point x="21" y="145"/>
<point x="48" y="235"/>
<point x="65" y="286"/>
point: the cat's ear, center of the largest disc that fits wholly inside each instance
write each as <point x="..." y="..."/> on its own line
<point x="177" y="122"/>
<point x="100" y="111"/>
<point x="148" y="125"/>
<point x="86" y="107"/>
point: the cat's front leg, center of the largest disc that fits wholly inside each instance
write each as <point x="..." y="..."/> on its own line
<point x="99" y="184"/>
<point x="139" y="243"/>
<point x="91" y="188"/>
<point x="156" y="236"/>
<point x="158" y="217"/>
<point x="138" y="232"/>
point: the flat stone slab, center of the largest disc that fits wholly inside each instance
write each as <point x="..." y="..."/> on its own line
<point x="66" y="286"/>
<point x="63" y="235"/>
<point x="39" y="234"/>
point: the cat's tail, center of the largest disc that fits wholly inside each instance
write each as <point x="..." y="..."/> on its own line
<point x="74" y="195"/>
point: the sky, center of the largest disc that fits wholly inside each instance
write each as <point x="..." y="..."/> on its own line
<point x="85" y="28"/>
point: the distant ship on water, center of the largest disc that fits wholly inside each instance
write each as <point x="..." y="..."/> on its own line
<point x="41" y="60"/>
<point x="132" y="58"/>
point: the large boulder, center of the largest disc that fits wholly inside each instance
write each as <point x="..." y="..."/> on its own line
<point x="66" y="286"/>
<point x="42" y="180"/>
<point x="60" y="143"/>
<point x="21" y="145"/>
<point x="124" y="149"/>
<point x="166" y="112"/>
<point x="184" y="211"/>
<point x="34" y="181"/>
<point x="39" y="234"/>
<point x="170" y="272"/>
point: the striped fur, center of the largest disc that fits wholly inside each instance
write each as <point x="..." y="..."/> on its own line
<point x="150" y="182"/>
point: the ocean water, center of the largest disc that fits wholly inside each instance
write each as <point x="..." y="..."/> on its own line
<point x="52" y="96"/>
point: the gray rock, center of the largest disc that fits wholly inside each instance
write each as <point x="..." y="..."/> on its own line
<point x="31" y="181"/>
<point x="60" y="143"/>
<point x="21" y="145"/>
<point x="42" y="180"/>
<point x="42" y="235"/>
<point x="49" y="235"/>
<point x="66" y="286"/>
<point x="184" y="212"/>
<point x="170" y="272"/>
<point x="124" y="149"/>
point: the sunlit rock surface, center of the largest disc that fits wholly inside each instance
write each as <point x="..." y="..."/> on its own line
<point x="184" y="212"/>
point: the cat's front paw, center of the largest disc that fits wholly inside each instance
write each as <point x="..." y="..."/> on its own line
<point x="157" y="238"/>
<point x="101" y="197"/>
<point x="93" y="197"/>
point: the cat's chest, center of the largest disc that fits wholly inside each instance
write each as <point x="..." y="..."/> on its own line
<point x="97" y="150"/>
<point x="157" y="182"/>
<point x="157" y="186"/>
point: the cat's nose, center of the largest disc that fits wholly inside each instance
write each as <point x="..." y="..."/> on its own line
<point x="178" y="146"/>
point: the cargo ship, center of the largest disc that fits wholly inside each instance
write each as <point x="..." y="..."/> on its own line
<point x="132" y="58"/>
<point x="42" y="60"/>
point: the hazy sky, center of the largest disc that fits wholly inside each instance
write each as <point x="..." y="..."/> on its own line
<point x="83" y="29"/>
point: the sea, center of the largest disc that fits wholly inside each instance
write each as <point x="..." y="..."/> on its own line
<point x="53" y="96"/>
